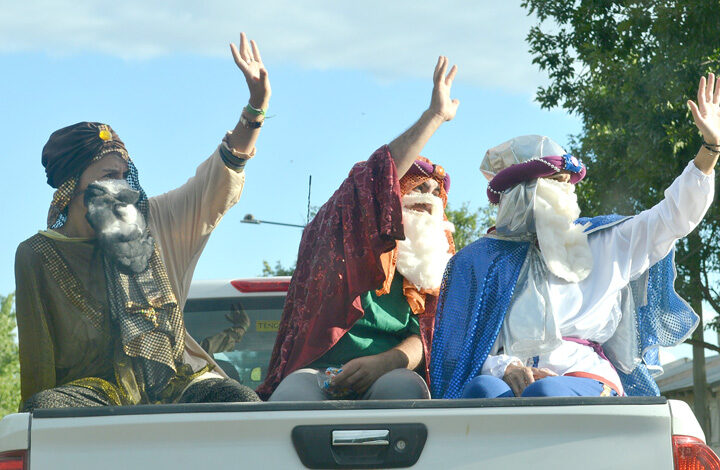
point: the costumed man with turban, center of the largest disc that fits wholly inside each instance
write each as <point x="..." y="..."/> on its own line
<point x="551" y="305"/>
<point x="363" y="295"/>
<point x="100" y="293"/>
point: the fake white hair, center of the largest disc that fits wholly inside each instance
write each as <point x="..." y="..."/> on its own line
<point x="423" y="255"/>
<point x="563" y="243"/>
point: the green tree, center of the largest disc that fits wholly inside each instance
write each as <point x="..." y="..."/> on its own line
<point x="469" y="225"/>
<point x="9" y="363"/>
<point x="278" y="270"/>
<point x="626" y="68"/>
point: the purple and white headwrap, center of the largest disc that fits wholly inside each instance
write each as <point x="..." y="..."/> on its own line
<point x="525" y="158"/>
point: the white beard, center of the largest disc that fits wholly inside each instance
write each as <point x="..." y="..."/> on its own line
<point x="563" y="244"/>
<point x="423" y="255"/>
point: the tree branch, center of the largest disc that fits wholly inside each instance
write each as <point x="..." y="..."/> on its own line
<point x="704" y="344"/>
<point x="706" y="290"/>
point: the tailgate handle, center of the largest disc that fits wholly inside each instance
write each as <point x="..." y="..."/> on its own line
<point x="361" y="437"/>
<point x="367" y="445"/>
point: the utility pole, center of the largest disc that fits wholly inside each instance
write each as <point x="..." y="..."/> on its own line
<point x="699" y="374"/>
<point x="700" y="378"/>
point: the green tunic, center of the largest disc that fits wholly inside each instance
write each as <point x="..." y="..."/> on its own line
<point x="61" y="343"/>
<point x="65" y="333"/>
<point x="387" y="321"/>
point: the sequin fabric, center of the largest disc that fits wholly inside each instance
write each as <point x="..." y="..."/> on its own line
<point x="218" y="391"/>
<point x="477" y="287"/>
<point x="339" y="259"/>
<point x="68" y="282"/>
<point x="477" y="290"/>
<point x="666" y="320"/>
<point x="143" y="305"/>
<point x="81" y="393"/>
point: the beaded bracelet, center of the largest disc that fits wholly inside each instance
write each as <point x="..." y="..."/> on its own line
<point x="711" y="148"/>
<point x="254" y="111"/>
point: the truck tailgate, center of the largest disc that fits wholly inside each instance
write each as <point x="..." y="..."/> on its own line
<point x="557" y="433"/>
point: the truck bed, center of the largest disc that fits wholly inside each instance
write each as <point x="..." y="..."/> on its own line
<point x="539" y="433"/>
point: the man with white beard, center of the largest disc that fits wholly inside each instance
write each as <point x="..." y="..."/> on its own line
<point x="551" y="305"/>
<point x="359" y="312"/>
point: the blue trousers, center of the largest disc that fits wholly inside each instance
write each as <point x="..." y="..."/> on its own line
<point x="487" y="386"/>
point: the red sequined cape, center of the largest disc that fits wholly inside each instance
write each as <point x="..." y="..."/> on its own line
<point x="339" y="259"/>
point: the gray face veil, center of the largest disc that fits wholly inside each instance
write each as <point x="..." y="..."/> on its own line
<point x="540" y="212"/>
<point x="530" y="327"/>
<point x="516" y="211"/>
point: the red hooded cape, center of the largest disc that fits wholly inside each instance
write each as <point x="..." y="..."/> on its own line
<point x="343" y="254"/>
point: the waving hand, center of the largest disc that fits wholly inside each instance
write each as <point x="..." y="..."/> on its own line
<point x="248" y="59"/>
<point x="441" y="103"/>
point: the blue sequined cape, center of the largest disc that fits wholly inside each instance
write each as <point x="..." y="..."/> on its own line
<point x="476" y="292"/>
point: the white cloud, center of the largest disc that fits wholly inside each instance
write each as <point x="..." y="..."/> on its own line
<point x="389" y="38"/>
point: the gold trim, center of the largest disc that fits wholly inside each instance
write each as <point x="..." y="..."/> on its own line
<point x="55" y="235"/>
<point x="68" y="282"/>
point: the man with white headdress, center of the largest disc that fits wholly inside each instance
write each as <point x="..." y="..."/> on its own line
<point x="547" y="304"/>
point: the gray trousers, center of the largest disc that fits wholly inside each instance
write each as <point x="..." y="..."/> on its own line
<point x="398" y="384"/>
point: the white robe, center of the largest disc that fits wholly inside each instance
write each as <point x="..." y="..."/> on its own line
<point x="588" y="309"/>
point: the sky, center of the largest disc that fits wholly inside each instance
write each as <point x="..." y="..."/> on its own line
<point x="347" y="77"/>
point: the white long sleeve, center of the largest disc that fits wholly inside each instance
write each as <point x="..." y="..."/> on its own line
<point x="588" y="309"/>
<point x="495" y="365"/>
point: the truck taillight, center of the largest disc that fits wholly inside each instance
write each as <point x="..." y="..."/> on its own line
<point x="261" y="285"/>
<point x="690" y="453"/>
<point x="14" y="460"/>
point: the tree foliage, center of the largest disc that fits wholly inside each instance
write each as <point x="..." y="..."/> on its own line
<point x="469" y="225"/>
<point x="626" y="68"/>
<point x="277" y="270"/>
<point x="9" y="363"/>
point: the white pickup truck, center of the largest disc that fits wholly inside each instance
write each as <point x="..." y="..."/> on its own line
<point x="538" y="433"/>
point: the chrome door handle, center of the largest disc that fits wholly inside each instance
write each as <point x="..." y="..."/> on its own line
<point x="361" y="437"/>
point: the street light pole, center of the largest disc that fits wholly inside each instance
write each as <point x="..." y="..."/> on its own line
<point x="250" y="219"/>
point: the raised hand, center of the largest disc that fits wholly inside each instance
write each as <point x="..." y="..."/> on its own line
<point x="706" y="113"/>
<point x="441" y="103"/>
<point x="408" y="145"/>
<point x="247" y="57"/>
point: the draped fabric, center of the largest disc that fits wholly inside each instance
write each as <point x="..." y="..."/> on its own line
<point x="150" y="323"/>
<point x="477" y="290"/>
<point x="71" y="149"/>
<point x="345" y="251"/>
<point x="142" y="304"/>
<point x="63" y="312"/>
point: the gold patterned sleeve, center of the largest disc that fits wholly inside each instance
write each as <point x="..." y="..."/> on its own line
<point x="37" y="359"/>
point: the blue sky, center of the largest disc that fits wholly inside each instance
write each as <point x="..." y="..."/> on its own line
<point x="346" y="79"/>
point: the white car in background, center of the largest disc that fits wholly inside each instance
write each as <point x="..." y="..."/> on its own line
<point x="538" y="433"/>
